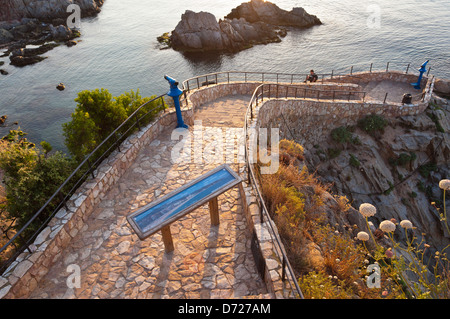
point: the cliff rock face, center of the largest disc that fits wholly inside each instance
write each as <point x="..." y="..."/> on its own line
<point x="398" y="171"/>
<point x="44" y="9"/>
<point x="255" y="22"/>
<point x="259" y="10"/>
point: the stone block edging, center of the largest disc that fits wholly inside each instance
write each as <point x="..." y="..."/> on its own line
<point x="23" y="275"/>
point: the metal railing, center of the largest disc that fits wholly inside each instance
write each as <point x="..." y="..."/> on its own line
<point x="87" y="167"/>
<point x="286" y="266"/>
<point x="288" y="78"/>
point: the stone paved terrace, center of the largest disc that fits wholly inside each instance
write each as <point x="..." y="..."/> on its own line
<point x="208" y="261"/>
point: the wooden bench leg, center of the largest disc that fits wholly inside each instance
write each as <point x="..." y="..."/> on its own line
<point x="167" y="239"/>
<point x="214" y="211"/>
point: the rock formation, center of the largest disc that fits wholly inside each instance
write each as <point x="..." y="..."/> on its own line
<point x="259" y="10"/>
<point x="255" y="22"/>
<point x="398" y="170"/>
<point x="36" y="22"/>
<point x="46" y="10"/>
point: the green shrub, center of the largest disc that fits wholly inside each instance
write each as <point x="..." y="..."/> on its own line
<point x="427" y="168"/>
<point x="372" y="124"/>
<point x="30" y="178"/>
<point x="333" y="153"/>
<point x="341" y="135"/>
<point x="354" y="161"/>
<point x="403" y="159"/>
<point x="98" y="114"/>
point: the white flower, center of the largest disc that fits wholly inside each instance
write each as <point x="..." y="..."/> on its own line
<point x="445" y="184"/>
<point x="362" y="235"/>
<point x="367" y="209"/>
<point x="387" y="226"/>
<point x="406" y="224"/>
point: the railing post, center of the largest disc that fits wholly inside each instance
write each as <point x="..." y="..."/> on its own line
<point x="137" y="122"/>
<point x="117" y="140"/>
<point x="216" y="79"/>
<point x="90" y="167"/>
<point x="283" y="269"/>
<point x="371" y="64"/>
<point x="228" y="77"/>
<point x="207" y="83"/>
<point x="334" y="94"/>
<point x="407" y="69"/>
<point x="387" y="67"/>
<point x="332" y="71"/>
<point x="364" y="96"/>
<point x="198" y="83"/>
<point x="164" y="104"/>
<point x="292" y="78"/>
<point x="428" y="71"/>
<point x="385" y="97"/>
<point x="61" y="198"/>
<point x="262" y="78"/>
<point x="351" y="70"/>
<point x="245" y="77"/>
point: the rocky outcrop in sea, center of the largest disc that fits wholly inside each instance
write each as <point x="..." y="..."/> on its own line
<point x="45" y="10"/>
<point x="255" y="22"/>
<point x="24" y="22"/>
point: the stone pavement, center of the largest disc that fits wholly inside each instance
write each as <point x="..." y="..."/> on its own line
<point x="208" y="261"/>
<point x="228" y="111"/>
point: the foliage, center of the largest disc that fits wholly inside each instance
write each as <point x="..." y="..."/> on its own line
<point x="319" y="285"/>
<point x="98" y="114"/>
<point x="435" y="119"/>
<point x="372" y="124"/>
<point x="333" y="153"/>
<point x="341" y="135"/>
<point x="427" y="168"/>
<point x="403" y="159"/>
<point x="354" y="161"/>
<point x="30" y="177"/>
<point x="428" y="280"/>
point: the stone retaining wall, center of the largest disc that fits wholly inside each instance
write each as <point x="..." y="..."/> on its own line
<point x="23" y="275"/>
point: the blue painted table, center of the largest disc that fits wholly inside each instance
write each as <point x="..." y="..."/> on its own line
<point x="159" y="214"/>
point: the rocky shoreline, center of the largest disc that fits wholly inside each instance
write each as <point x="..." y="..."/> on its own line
<point x="251" y="23"/>
<point x="38" y="23"/>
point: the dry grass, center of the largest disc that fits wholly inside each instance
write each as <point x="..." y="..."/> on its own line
<point x="294" y="198"/>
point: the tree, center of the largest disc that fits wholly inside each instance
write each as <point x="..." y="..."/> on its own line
<point x="81" y="134"/>
<point x="30" y="177"/>
<point x="97" y="115"/>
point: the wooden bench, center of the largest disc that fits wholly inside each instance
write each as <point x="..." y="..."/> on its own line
<point x="159" y="214"/>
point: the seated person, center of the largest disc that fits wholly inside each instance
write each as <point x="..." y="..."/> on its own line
<point x="312" y="77"/>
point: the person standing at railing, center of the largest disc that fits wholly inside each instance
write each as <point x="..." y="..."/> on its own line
<point x="312" y="77"/>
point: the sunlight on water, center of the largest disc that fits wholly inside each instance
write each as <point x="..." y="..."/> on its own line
<point x="119" y="52"/>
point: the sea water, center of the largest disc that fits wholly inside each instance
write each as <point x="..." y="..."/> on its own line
<point x="119" y="52"/>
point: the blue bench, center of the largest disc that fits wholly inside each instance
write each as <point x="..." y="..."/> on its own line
<point x="159" y="214"/>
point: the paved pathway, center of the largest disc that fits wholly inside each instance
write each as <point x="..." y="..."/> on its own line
<point x="208" y="261"/>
